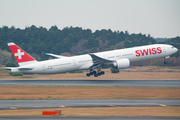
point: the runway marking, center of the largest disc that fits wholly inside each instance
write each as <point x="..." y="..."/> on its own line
<point x="162" y="105"/>
<point x="62" y="106"/>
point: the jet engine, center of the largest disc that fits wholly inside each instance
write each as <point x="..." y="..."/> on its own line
<point x="121" y="64"/>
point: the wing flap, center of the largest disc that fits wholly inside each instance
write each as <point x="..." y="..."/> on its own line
<point x="9" y="68"/>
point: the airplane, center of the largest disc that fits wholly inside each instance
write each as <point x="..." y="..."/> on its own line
<point x="93" y="62"/>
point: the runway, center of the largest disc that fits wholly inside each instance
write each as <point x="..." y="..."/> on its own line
<point x="46" y="104"/>
<point x="39" y="104"/>
<point x="58" y="104"/>
<point x="123" y="83"/>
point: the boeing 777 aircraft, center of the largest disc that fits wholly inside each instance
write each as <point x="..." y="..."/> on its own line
<point x="119" y="59"/>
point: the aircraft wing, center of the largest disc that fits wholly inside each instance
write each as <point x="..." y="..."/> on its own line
<point x="57" y="56"/>
<point x="100" y="62"/>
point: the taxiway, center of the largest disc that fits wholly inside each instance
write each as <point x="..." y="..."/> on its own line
<point x="123" y="83"/>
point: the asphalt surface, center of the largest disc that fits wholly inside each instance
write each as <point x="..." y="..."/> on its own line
<point x="43" y="104"/>
<point x="124" y="83"/>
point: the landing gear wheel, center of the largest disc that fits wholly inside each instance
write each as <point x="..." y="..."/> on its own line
<point x="91" y="73"/>
<point x="165" y="62"/>
<point x="88" y="74"/>
<point x="94" y="72"/>
<point x="102" y="72"/>
<point x="95" y="75"/>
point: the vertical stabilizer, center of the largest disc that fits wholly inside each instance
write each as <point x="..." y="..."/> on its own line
<point x="20" y="55"/>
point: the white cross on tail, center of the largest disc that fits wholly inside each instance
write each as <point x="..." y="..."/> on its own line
<point x="19" y="54"/>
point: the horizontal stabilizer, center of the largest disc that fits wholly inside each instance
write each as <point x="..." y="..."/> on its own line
<point x="9" y="68"/>
<point x="19" y="68"/>
<point x="25" y="68"/>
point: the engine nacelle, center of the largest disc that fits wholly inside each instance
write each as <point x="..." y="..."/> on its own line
<point x="122" y="63"/>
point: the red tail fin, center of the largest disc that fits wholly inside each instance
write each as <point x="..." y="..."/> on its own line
<point x="21" y="56"/>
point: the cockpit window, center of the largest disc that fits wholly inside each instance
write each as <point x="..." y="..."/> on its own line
<point x="172" y="47"/>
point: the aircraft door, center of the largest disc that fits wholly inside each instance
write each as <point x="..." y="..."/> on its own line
<point x="74" y="62"/>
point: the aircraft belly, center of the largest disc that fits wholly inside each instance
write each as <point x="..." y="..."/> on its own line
<point x="85" y="66"/>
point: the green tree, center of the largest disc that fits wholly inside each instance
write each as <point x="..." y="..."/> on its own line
<point x="38" y="40"/>
<point x="11" y="65"/>
<point x="114" y="70"/>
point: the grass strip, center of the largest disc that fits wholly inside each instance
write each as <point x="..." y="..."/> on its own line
<point x="86" y="92"/>
<point x="114" y="111"/>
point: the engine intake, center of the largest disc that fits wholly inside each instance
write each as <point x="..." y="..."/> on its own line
<point x="121" y="64"/>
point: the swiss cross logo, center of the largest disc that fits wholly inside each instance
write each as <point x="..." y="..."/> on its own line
<point x="19" y="54"/>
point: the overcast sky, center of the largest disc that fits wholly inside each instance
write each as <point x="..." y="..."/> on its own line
<point x="159" y="18"/>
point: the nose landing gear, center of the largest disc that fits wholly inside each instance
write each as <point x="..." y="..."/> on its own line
<point x="165" y="60"/>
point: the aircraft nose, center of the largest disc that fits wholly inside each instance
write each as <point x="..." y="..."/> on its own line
<point x="176" y="49"/>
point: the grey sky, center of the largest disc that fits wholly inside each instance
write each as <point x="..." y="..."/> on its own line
<point x="159" y="18"/>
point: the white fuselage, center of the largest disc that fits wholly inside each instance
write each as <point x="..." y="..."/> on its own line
<point x="84" y="62"/>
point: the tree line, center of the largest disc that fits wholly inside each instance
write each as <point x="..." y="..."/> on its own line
<point x="72" y="40"/>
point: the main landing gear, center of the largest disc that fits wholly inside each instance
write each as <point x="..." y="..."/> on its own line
<point x="96" y="74"/>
